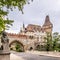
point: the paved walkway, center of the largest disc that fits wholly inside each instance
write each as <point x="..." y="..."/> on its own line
<point x="53" y="54"/>
<point x="15" y="57"/>
<point x="33" y="55"/>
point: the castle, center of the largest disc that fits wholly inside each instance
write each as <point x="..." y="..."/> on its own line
<point x="31" y="36"/>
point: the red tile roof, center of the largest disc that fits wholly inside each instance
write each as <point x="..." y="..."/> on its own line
<point x="32" y="27"/>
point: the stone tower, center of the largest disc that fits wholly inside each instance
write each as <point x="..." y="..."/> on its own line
<point x="47" y="26"/>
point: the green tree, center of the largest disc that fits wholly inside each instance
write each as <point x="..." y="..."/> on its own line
<point x="4" y="24"/>
<point x="55" y="40"/>
<point x="9" y="5"/>
<point x="55" y="35"/>
<point x="55" y="44"/>
<point x="48" y="39"/>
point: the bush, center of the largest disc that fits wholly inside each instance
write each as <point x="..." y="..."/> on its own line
<point x="58" y="49"/>
<point x="18" y="48"/>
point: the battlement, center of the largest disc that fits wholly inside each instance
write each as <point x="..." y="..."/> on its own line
<point x="17" y="35"/>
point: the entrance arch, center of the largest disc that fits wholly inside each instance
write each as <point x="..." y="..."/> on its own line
<point x="16" y="45"/>
<point x="31" y="48"/>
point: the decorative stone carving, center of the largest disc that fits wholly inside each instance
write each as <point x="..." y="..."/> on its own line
<point x="5" y="42"/>
<point x="4" y="50"/>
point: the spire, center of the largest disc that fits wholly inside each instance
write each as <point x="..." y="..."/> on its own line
<point x="47" y="21"/>
<point x="23" y="25"/>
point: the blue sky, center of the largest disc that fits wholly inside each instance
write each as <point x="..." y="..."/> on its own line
<point x="35" y="13"/>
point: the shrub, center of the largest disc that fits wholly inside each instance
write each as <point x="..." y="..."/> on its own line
<point x="18" y="48"/>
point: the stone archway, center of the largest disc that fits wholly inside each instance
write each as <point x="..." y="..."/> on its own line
<point x="16" y="45"/>
<point x="38" y="47"/>
<point x="31" y="48"/>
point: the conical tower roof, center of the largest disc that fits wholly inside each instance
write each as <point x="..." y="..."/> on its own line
<point x="47" y="21"/>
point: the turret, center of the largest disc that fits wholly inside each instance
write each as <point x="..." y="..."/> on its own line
<point x="47" y="26"/>
<point x="22" y="30"/>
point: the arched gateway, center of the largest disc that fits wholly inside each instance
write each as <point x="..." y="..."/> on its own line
<point x="16" y="45"/>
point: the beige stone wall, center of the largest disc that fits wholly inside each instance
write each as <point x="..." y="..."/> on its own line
<point x="27" y="43"/>
<point x="48" y="30"/>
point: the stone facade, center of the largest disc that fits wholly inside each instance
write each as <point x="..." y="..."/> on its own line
<point x="31" y="35"/>
<point x="24" y="40"/>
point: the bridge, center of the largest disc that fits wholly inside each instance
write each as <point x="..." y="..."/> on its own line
<point x="25" y="42"/>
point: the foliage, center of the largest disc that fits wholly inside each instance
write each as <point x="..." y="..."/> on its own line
<point x="9" y="4"/>
<point x="48" y="39"/>
<point x="4" y="24"/>
<point x="52" y="42"/>
<point x="18" y="48"/>
<point x="55" y="44"/>
<point x="56" y="37"/>
<point x="59" y="47"/>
